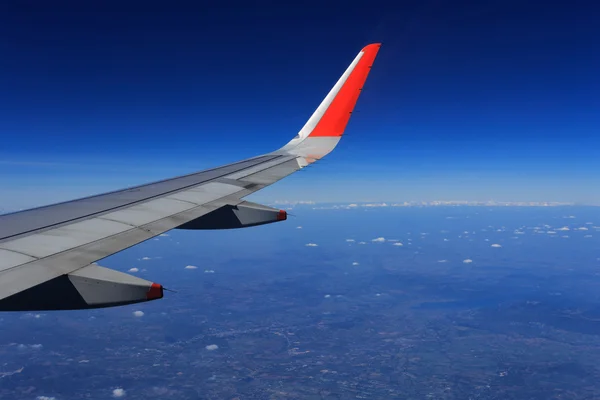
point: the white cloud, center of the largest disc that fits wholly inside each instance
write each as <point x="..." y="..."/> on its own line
<point x="133" y="270"/>
<point x="32" y="315"/>
<point x="211" y="347"/>
<point x="468" y="261"/>
<point x="442" y="261"/>
<point x="362" y="242"/>
<point x="146" y="258"/>
<point x="298" y="227"/>
<point x="352" y="205"/>
<point x="327" y="296"/>
<point x="564" y="228"/>
<point x="551" y="232"/>
<point x="163" y="235"/>
<point x="118" y="392"/>
<point x="311" y="245"/>
<point x="209" y="271"/>
<point x="378" y="240"/>
<point x="496" y="245"/>
<point x="397" y="244"/>
<point x="583" y="228"/>
<point x="355" y="263"/>
<point x="138" y="313"/>
<point x="350" y="240"/>
<point x="190" y="267"/>
<point x="375" y="205"/>
<point x="45" y="398"/>
<point x="293" y="202"/>
<point x="446" y="240"/>
<point x="36" y="346"/>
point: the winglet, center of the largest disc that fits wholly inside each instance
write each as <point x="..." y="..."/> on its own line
<point x="333" y="114"/>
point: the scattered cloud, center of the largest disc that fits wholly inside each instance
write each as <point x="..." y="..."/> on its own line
<point x="211" y="347"/>
<point x="496" y="245"/>
<point x="551" y="232"/>
<point x="327" y="296"/>
<point x="375" y="205"/>
<point x="350" y="240"/>
<point x="118" y="392"/>
<point x="36" y="346"/>
<point x="190" y="267"/>
<point x="362" y="242"/>
<point x="209" y="271"/>
<point x="311" y="245"/>
<point x="298" y="227"/>
<point x="163" y="235"/>
<point x="138" y="313"/>
<point x="442" y="261"/>
<point x="17" y="371"/>
<point x="32" y="315"/>
<point x="146" y="258"/>
<point x="583" y="228"/>
<point x="133" y="270"/>
<point x="355" y="263"/>
<point x="587" y="236"/>
<point x="378" y="240"/>
<point x="397" y="244"/>
<point x="45" y="398"/>
<point x="468" y="261"/>
<point x="564" y="228"/>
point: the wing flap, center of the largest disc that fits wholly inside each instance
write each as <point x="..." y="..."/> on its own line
<point x="9" y="259"/>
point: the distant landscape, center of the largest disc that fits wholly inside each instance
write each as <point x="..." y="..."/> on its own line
<point x="338" y="302"/>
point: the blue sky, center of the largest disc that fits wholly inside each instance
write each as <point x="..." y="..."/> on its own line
<point x="467" y="99"/>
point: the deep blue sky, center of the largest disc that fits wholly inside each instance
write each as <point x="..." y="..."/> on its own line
<point x="467" y="100"/>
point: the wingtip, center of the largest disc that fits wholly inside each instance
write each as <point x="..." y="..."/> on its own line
<point x="370" y="47"/>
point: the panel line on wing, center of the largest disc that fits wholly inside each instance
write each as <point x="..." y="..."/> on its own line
<point x="6" y="226"/>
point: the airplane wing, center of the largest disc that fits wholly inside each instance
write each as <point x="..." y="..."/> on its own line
<point x="48" y="254"/>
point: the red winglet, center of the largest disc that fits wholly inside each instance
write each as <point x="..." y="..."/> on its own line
<point x="155" y="292"/>
<point x="336" y="117"/>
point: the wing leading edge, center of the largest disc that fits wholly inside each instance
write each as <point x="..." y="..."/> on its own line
<point x="48" y="254"/>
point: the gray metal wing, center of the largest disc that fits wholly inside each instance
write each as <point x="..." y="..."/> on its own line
<point x="48" y="254"/>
